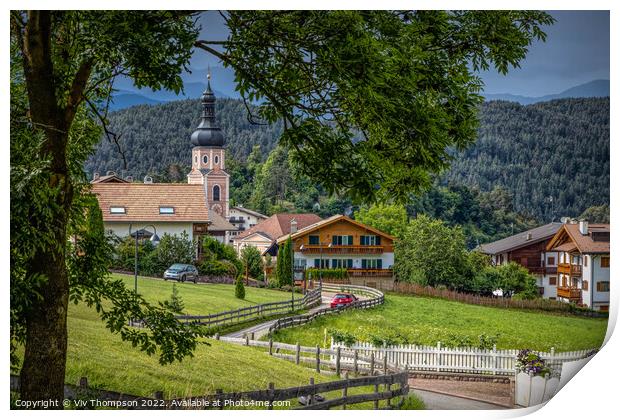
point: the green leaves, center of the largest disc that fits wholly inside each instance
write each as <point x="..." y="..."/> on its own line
<point x="284" y="264"/>
<point x="372" y="100"/>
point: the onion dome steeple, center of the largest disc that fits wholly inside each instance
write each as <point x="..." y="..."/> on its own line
<point x="207" y="133"/>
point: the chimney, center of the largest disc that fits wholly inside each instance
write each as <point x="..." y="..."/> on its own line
<point x="95" y="176"/>
<point x="583" y="227"/>
<point x="293" y="226"/>
<point x="148" y="180"/>
<point x="528" y="236"/>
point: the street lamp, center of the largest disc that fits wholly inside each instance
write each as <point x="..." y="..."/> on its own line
<point x="154" y="240"/>
<point x="293" y="226"/>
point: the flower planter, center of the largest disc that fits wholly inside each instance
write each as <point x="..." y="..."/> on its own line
<point x="533" y="389"/>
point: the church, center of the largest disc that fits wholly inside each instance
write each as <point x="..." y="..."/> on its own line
<point x="200" y="207"/>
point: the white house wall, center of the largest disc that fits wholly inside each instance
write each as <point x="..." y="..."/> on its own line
<point x="121" y="229"/>
<point x="387" y="258"/>
<point x="599" y="274"/>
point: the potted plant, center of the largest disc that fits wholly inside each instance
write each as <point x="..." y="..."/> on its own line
<point x="533" y="382"/>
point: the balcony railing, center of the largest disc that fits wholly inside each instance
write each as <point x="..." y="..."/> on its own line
<point x="570" y="269"/>
<point x="571" y="293"/>
<point x="342" y="249"/>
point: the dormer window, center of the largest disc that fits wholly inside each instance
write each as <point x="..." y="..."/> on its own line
<point x="166" y="210"/>
<point x="117" y="210"/>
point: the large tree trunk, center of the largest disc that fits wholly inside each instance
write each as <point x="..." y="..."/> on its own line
<point x="43" y="370"/>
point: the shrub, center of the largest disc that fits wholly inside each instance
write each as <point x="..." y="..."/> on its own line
<point x="217" y="268"/>
<point x="487" y="341"/>
<point x="175" y="304"/>
<point x="343" y="337"/>
<point x="239" y="288"/>
<point x="327" y="273"/>
<point x="413" y="402"/>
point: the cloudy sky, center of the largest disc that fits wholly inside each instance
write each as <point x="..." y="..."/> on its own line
<point x="576" y="52"/>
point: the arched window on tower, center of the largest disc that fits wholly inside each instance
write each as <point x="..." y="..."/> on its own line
<point x="216" y="193"/>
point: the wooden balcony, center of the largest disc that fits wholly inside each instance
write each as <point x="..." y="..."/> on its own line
<point x="570" y="269"/>
<point x="571" y="293"/>
<point x="369" y="272"/>
<point x="341" y="249"/>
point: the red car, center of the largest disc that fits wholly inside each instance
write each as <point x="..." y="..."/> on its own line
<point x="342" y="299"/>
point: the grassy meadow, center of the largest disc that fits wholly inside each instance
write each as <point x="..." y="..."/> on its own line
<point x="109" y="363"/>
<point x="202" y="299"/>
<point x="425" y="321"/>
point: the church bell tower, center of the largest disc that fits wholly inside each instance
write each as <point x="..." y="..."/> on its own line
<point x="209" y="156"/>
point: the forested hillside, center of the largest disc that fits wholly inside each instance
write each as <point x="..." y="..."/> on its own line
<point x="155" y="139"/>
<point x="556" y="149"/>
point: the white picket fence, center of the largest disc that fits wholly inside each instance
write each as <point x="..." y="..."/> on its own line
<point x="457" y="360"/>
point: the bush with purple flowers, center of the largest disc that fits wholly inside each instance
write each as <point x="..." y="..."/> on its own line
<point x="530" y="362"/>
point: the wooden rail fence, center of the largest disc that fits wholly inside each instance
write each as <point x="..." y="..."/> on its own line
<point x="499" y="302"/>
<point x="252" y="313"/>
<point x="376" y="298"/>
<point x="307" y="395"/>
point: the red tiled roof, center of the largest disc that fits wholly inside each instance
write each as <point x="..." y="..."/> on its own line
<point x="584" y="243"/>
<point x="142" y="202"/>
<point x="280" y="224"/>
<point x="321" y="223"/>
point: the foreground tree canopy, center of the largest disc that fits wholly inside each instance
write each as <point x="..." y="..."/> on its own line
<point x="370" y="101"/>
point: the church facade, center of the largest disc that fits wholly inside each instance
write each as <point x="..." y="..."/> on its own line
<point x="200" y="207"/>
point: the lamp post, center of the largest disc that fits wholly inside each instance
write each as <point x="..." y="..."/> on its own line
<point x="293" y="226"/>
<point x="154" y="239"/>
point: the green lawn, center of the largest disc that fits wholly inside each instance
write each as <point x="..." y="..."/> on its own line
<point x="426" y="320"/>
<point x="202" y="299"/>
<point x="110" y="363"/>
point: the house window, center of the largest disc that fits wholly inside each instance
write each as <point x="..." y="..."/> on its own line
<point x="317" y="263"/>
<point x="344" y="263"/>
<point x="585" y="261"/>
<point x="605" y="262"/>
<point x="370" y="240"/>
<point x="550" y="260"/>
<point x="553" y="281"/>
<point x="602" y="286"/>
<point x="117" y="210"/>
<point x="216" y="193"/>
<point x="166" y="210"/>
<point x="205" y="159"/>
<point x="372" y="264"/>
<point x="342" y="240"/>
<point x="313" y="239"/>
<point x="584" y="285"/>
<point x="300" y="263"/>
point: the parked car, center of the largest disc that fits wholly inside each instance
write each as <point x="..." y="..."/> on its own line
<point x="181" y="272"/>
<point x="343" y="299"/>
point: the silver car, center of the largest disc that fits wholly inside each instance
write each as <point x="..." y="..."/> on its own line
<point x="181" y="272"/>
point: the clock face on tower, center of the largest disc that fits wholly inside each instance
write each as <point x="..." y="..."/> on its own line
<point x="217" y="208"/>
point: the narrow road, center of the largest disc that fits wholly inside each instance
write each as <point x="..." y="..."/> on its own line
<point x="263" y="328"/>
<point x="437" y="401"/>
